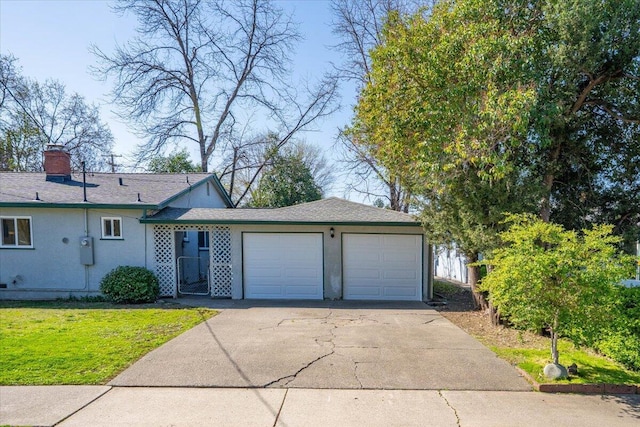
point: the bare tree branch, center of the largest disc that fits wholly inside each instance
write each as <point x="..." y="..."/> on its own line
<point x="196" y="70"/>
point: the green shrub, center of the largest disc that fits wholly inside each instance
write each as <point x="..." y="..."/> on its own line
<point x="621" y="340"/>
<point x="549" y="278"/>
<point x="127" y="284"/>
<point x="622" y="348"/>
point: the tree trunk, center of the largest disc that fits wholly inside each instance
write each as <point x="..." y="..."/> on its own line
<point x="554" y="341"/>
<point x="479" y="301"/>
<point x="549" y="178"/>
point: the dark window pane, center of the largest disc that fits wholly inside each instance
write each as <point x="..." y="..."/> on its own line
<point x="8" y="231"/>
<point x="116" y="228"/>
<point x="203" y="239"/>
<point x="107" y="228"/>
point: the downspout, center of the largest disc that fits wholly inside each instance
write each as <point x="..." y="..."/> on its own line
<point x="144" y="216"/>
<point x="86" y="234"/>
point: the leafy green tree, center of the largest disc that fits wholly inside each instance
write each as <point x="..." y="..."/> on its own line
<point x="445" y="110"/>
<point x="359" y="26"/>
<point x="20" y="146"/>
<point x="288" y="181"/>
<point x="550" y="278"/>
<point x="174" y="163"/>
<point x="489" y="106"/>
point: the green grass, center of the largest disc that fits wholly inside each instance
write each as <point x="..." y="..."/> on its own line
<point x="446" y="289"/>
<point x="592" y="368"/>
<point x="58" y="342"/>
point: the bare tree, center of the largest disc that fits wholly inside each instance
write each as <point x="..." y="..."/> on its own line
<point x="359" y="24"/>
<point x="200" y="70"/>
<point x="35" y="114"/>
<point x="369" y="177"/>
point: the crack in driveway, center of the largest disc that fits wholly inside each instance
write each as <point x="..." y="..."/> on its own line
<point x="320" y="343"/>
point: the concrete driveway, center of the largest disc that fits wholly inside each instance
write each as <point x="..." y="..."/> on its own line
<point x="337" y="345"/>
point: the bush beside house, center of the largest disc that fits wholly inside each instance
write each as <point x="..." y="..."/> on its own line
<point x="128" y="284"/>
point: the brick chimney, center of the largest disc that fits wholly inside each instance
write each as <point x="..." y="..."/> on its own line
<point x="57" y="163"/>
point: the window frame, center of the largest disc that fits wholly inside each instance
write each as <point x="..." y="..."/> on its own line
<point x="17" y="244"/>
<point x="111" y="220"/>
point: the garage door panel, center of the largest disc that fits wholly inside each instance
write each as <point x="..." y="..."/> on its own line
<point x="405" y="258"/>
<point x="366" y="291"/>
<point x="363" y="274"/>
<point x="292" y="291"/>
<point x="283" y="265"/>
<point x="382" y="267"/>
<point x="400" y="275"/>
<point x="399" y="291"/>
<point x="266" y="272"/>
<point x="267" y="290"/>
<point x="394" y="240"/>
<point x="302" y="272"/>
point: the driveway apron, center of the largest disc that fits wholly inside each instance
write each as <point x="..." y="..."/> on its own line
<point x="341" y="345"/>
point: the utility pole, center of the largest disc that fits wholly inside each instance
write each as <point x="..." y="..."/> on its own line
<point x="112" y="163"/>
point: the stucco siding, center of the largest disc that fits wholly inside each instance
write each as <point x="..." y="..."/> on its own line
<point x="53" y="267"/>
<point x="202" y="196"/>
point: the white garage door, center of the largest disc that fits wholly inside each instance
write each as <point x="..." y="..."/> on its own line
<point x="382" y="267"/>
<point x="282" y="265"/>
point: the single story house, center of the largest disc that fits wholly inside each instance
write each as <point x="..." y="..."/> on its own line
<point x="62" y="232"/>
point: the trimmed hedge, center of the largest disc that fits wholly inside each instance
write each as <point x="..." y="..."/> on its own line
<point x="130" y="285"/>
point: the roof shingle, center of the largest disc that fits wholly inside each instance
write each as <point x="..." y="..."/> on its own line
<point x="102" y="188"/>
<point x="326" y="211"/>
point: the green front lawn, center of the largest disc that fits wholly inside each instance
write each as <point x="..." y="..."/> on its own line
<point x="592" y="368"/>
<point x="83" y="343"/>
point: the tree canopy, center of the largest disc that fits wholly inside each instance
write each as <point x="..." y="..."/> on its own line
<point x="359" y="25"/>
<point x="177" y="162"/>
<point x="287" y="181"/>
<point x="487" y="107"/>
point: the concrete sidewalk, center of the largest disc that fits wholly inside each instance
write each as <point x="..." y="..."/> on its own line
<point x="142" y="406"/>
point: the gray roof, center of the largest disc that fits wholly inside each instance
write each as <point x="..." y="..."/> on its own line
<point x="327" y="211"/>
<point x="104" y="189"/>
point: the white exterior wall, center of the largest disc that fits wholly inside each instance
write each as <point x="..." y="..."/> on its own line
<point x="332" y="251"/>
<point x="203" y="196"/>
<point x="52" y="268"/>
<point x="450" y="264"/>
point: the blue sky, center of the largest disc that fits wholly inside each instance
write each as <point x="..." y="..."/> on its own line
<point x="51" y="40"/>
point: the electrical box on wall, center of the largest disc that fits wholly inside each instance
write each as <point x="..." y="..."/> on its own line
<point x="86" y="250"/>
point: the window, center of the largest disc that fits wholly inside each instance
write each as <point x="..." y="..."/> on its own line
<point x="111" y="228"/>
<point x="16" y="232"/>
<point x="203" y="240"/>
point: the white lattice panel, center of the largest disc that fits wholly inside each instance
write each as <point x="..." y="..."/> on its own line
<point x="219" y="258"/>
<point x="220" y="253"/>
<point x="163" y="237"/>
